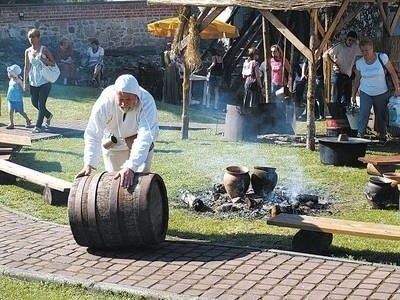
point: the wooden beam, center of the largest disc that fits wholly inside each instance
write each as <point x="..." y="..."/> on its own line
<point x="320" y="28"/>
<point x="350" y="16"/>
<point x="384" y="16"/>
<point x="332" y="27"/>
<point x="205" y="21"/>
<point x="267" y="53"/>
<point x="395" y="20"/>
<point x="287" y="33"/>
<point x="372" y="230"/>
<point x="203" y="14"/>
<point x="216" y="11"/>
<point x="257" y="4"/>
<point x="35" y="176"/>
<point x="13" y="139"/>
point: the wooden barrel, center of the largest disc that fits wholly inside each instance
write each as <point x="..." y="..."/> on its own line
<point x="104" y="215"/>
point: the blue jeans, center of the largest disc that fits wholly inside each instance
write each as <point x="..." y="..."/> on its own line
<point x="39" y="96"/>
<point x="274" y="88"/>
<point x="379" y="103"/>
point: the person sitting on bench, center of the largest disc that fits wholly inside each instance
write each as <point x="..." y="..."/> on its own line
<point x="95" y="62"/>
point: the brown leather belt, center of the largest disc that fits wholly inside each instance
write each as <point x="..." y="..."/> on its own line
<point x="130" y="139"/>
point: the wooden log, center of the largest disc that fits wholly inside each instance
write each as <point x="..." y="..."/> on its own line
<point x="54" y="197"/>
<point x="35" y="176"/>
<point x="311" y="241"/>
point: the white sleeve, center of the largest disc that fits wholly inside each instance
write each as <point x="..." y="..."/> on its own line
<point x="384" y="58"/>
<point x="94" y="133"/>
<point x="147" y="133"/>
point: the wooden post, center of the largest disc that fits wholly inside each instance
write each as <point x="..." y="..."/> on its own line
<point x="267" y="55"/>
<point x="185" y="108"/>
<point x="310" y="139"/>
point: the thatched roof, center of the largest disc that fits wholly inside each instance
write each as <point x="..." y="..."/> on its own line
<point x="258" y="4"/>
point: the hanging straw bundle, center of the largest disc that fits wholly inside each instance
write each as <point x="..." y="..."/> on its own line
<point x="184" y="13"/>
<point x="192" y="53"/>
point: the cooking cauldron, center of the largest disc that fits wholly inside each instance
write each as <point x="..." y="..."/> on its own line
<point x="342" y="152"/>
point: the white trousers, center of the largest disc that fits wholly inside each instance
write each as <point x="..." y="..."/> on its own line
<point x="114" y="159"/>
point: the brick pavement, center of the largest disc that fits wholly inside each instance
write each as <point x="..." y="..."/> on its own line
<point x="186" y="269"/>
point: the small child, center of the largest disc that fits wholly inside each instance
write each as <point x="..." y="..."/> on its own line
<point x="14" y="96"/>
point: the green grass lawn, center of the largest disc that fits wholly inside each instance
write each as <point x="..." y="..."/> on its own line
<point x="195" y="165"/>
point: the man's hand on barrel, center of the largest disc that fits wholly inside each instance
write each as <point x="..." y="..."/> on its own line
<point x="126" y="175"/>
<point x="85" y="171"/>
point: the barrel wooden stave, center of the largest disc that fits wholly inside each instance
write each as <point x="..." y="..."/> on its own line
<point x="104" y="215"/>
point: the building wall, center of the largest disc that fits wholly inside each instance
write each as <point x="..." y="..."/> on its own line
<point x="119" y="26"/>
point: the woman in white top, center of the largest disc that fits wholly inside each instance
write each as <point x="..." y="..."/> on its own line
<point x="35" y="57"/>
<point x="370" y="79"/>
<point x="95" y="55"/>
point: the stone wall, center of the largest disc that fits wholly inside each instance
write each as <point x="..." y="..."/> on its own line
<point x="119" y="26"/>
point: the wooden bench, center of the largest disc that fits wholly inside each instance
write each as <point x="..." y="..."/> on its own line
<point x="316" y="233"/>
<point x="56" y="190"/>
<point x="379" y="164"/>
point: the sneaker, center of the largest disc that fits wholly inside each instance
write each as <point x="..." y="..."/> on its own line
<point x="360" y="135"/>
<point x="28" y="124"/>
<point x="48" y="120"/>
<point x="36" y="130"/>
<point x="10" y="126"/>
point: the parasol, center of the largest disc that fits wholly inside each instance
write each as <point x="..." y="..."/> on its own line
<point x="215" y="30"/>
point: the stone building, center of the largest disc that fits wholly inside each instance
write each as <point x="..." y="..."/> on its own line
<point x="120" y="26"/>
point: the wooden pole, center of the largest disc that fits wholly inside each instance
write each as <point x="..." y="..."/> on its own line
<point x="267" y="55"/>
<point x="185" y="107"/>
<point x="310" y="139"/>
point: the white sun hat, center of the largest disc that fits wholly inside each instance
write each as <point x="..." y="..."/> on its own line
<point x="14" y="70"/>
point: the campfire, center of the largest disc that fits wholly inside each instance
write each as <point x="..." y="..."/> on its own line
<point x="217" y="201"/>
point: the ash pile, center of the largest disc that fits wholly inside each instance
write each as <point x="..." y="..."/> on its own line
<point x="252" y="206"/>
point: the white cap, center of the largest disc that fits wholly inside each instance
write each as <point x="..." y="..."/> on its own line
<point x="14" y="70"/>
<point x="127" y="84"/>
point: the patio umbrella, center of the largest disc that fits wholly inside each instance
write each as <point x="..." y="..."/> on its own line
<point x="215" y="30"/>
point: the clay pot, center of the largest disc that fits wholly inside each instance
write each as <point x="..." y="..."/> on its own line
<point x="380" y="192"/>
<point x="394" y="176"/>
<point x="236" y="181"/>
<point x="263" y="180"/>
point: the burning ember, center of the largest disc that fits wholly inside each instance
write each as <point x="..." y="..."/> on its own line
<point x="256" y="207"/>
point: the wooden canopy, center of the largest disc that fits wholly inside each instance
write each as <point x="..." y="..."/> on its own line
<point x="312" y="51"/>
<point x="258" y="4"/>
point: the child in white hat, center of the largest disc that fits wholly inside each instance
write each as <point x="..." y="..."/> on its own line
<point x="14" y="96"/>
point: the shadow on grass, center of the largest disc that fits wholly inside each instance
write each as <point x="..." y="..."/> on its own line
<point x="366" y="255"/>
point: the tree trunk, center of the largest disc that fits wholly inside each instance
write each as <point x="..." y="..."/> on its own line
<point x="185" y="108"/>
<point x="310" y="139"/>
